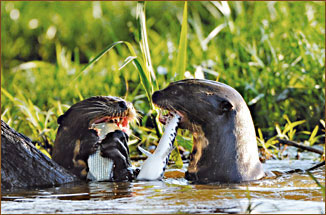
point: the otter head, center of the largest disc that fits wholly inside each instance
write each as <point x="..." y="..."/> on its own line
<point x="225" y="147"/>
<point x="84" y="124"/>
<point x="98" y="109"/>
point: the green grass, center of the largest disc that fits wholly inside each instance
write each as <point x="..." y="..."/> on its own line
<point x="273" y="53"/>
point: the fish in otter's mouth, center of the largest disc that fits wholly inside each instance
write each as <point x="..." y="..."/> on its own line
<point x="168" y="110"/>
<point x="154" y="166"/>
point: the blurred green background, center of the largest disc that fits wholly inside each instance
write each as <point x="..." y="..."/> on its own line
<point x="273" y="53"/>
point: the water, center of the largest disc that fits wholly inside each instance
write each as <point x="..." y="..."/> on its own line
<point x="289" y="193"/>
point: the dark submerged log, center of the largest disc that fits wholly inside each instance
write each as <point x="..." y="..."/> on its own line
<point x="23" y="165"/>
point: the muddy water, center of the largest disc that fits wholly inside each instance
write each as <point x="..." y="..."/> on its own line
<point x="288" y="193"/>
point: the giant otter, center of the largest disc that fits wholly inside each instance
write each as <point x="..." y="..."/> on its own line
<point x="76" y="136"/>
<point x="225" y="148"/>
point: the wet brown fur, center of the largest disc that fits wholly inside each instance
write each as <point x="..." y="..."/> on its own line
<point x="225" y="147"/>
<point x="75" y="140"/>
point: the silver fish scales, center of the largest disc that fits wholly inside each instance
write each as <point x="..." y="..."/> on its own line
<point x="154" y="166"/>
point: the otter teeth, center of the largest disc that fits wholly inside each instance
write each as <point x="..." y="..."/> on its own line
<point x="108" y="124"/>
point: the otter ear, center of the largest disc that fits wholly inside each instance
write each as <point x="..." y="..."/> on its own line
<point x="60" y="119"/>
<point x="225" y="106"/>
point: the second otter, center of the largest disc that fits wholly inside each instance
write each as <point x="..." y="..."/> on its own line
<point x="225" y="147"/>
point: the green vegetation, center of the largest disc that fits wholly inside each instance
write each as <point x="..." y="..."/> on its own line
<point x="57" y="53"/>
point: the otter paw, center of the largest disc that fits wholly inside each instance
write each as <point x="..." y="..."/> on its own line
<point x="123" y="175"/>
<point x="114" y="146"/>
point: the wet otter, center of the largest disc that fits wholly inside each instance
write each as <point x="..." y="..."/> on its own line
<point x="225" y="148"/>
<point x="76" y="136"/>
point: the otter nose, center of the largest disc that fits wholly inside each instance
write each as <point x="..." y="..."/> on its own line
<point x="155" y="96"/>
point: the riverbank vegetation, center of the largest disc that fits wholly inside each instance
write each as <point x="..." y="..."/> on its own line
<point x="54" y="54"/>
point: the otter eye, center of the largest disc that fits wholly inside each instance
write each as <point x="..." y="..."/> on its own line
<point x="226" y="106"/>
<point x="122" y="104"/>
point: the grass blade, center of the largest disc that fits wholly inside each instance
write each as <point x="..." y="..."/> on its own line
<point x="182" y="50"/>
<point x="180" y="69"/>
<point x="127" y="60"/>
<point x="8" y="95"/>
<point x="144" y="79"/>
<point x="141" y="18"/>
<point x="97" y="58"/>
<point x="211" y="35"/>
<point x="147" y="73"/>
<point x="322" y="187"/>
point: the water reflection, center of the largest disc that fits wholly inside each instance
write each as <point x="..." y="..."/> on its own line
<point x="284" y="194"/>
<point x="107" y="191"/>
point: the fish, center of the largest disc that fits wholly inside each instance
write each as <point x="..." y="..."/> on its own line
<point x="101" y="168"/>
<point x="154" y="166"/>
